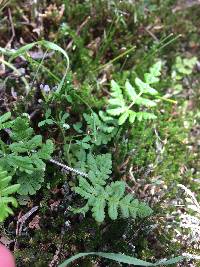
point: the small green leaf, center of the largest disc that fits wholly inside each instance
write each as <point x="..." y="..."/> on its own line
<point x="156" y="68"/>
<point x="77" y="127"/>
<point x="116" y="90"/>
<point x="123" y="118"/>
<point x="46" y="150"/>
<point x="10" y="189"/>
<point x="30" y="183"/>
<point x="5" y="117"/>
<point x="145" y="87"/>
<point x="145" y="102"/>
<point x="98" y="209"/>
<point x="145" y="116"/>
<point x="18" y="147"/>
<point x="35" y="142"/>
<point x="130" y="91"/>
<point x="44" y="122"/>
<point x="115" y="111"/>
<point x="132" y="116"/>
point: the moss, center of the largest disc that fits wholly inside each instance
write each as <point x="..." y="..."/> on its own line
<point x="159" y="146"/>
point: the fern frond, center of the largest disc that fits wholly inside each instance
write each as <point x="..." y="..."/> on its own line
<point x="115" y="191"/>
<point x="26" y="155"/>
<point x="99" y="194"/>
<point x="5" y="191"/>
<point x="116" y="92"/>
<point x="121" y="107"/>
<point x="21" y="129"/>
<point x="154" y="73"/>
<point x="184" y="66"/>
<point x="30" y="183"/>
<point x="98" y="208"/>
<point x="5" y="121"/>
<point x="101" y="132"/>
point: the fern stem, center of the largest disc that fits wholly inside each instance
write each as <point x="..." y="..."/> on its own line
<point x="130" y="106"/>
<point x="68" y="168"/>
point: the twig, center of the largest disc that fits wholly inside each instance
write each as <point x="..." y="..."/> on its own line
<point x="55" y="257"/>
<point x="151" y="34"/>
<point x="116" y="58"/>
<point x="20" y="222"/>
<point x="23" y="219"/>
<point x="78" y="32"/>
<point x="12" y="29"/>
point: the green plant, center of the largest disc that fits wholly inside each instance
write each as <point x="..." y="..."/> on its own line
<point x="48" y="120"/>
<point x="182" y="68"/>
<point x="60" y="122"/>
<point x="4" y="121"/>
<point x="5" y="191"/>
<point x="101" y="132"/>
<point x="99" y="193"/>
<point x="24" y="51"/>
<point x="123" y="259"/>
<point x="26" y="154"/>
<point x="121" y="102"/>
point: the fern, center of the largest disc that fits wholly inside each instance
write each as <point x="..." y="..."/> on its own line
<point x="101" y="131"/>
<point x="5" y="191"/>
<point x="5" y="121"/>
<point x="29" y="151"/>
<point x="26" y="155"/>
<point x="49" y="120"/>
<point x="99" y="194"/>
<point x="182" y="68"/>
<point x="121" y="106"/>
<point x="30" y="183"/>
<point x="21" y="131"/>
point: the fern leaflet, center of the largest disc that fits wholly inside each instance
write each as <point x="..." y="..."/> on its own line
<point x="5" y="191"/>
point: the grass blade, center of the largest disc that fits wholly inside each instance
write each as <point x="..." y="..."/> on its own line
<point x="122" y="259"/>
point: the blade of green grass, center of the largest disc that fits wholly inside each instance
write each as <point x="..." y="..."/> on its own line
<point x="116" y="58"/>
<point x="11" y="66"/>
<point x="24" y="49"/>
<point x="122" y="259"/>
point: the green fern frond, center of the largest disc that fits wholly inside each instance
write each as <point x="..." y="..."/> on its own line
<point x="26" y="155"/>
<point x="30" y="183"/>
<point x="5" y="191"/>
<point x="116" y="92"/>
<point x="184" y="66"/>
<point x="99" y="194"/>
<point x="121" y="107"/>
<point x="5" y="121"/>
<point x="115" y="192"/>
<point x="154" y="73"/>
<point x="21" y="129"/>
<point x="101" y="132"/>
